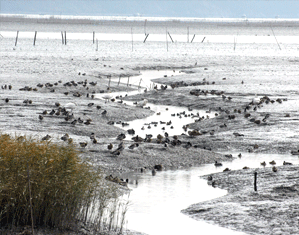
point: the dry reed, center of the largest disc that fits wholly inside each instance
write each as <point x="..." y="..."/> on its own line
<point x="63" y="189"/>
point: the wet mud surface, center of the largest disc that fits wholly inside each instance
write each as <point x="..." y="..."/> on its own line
<point x="272" y="209"/>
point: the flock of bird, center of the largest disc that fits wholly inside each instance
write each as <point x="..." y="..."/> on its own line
<point x="67" y="112"/>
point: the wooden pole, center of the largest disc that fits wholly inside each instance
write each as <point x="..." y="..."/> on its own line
<point x="139" y="83"/>
<point x="275" y="38"/>
<point x="109" y="81"/>
<point x="203" y="39"/>
<point x="93" y="36"/>
<point x="145" y="26"/>
<point x="65" y="37"/>
<point x="34" y="38"/>
<point x="17" y="38"/>
<point x="235" y="43"/>
<point x="118" y="80"/>
<point x="170" y="36"/>
<point x="193" y="38"/>
<point x="187" y="34"/>
<point x="128" y="80"/>
<point x="145" y="38"/>
<point x="62" y="38"/>
<point x="97" y="45"/>
<point x="255" y="177"/>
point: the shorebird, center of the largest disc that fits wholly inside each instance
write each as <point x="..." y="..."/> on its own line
<point x="70" y="106"/>
<point x="217" y="164"/>
<point x="83" y="144"/>
<point x="107" y="97"/>
<point x="263" y="163"/>
<point x="272" y="162"/>
<point x="287" y="163"/>
<point x="47" y="137"/>
<point x="142" y="103"/>
<point x="65" y="137"/>
<point x="110" y="146"/>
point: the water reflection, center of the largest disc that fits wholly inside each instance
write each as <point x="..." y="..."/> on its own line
<point x="157" y="200"/>
<point x="156" y="203"/>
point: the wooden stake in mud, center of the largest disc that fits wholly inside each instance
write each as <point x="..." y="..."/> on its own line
<point x="203" y="39"/>
<point x="145" y="38"/>
<point x="170" y="36"/>
<point x="34" y="38"/>
<point x="118" y="80"/>
<point x="109" y="80"/>
<point x="255" y="177"/>
<point x="235" y="43"/>
<point x="193" y="38"/>
<point x="128" y="80"/>
<point x="65" y="37"/>
<point x="62" y="38"/>
<point x="275" y="38"/>
<point x="97" y="45"/>
<point x="17" y="38"/>
<point x="139" y="83"/>
<point x="93" y="36"/>
<point x="145" y="26"/>
<point x="187" y="34"/>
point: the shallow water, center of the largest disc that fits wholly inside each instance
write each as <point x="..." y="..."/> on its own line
<point x="156" y="201"/>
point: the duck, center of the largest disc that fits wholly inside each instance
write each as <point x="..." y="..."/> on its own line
<point x="65" y="137"/>
<point x="274" y="169"/>
<point x="263" y="163"/>
<point x="142" y="103"/>
<point x="272" y="162"/>
<point x="287" y="163"/>
<point x="47" y="137"/>
<point x="110" y="146"/>
<point x="83" y="144"/>
<point x="217" y="164"/>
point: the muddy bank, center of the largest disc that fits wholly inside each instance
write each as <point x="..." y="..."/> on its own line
<point x="272" y="209"/>
<point x="34" y="105"/>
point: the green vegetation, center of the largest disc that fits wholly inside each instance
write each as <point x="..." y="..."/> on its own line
<point x="46" y="184"/>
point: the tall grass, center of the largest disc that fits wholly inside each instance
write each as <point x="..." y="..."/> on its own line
<point x="46" y="184"/>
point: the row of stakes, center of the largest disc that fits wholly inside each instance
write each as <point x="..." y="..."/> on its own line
<point x="64" y="41"/>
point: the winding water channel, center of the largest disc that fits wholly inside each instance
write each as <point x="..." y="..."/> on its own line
<point x="156" y="201"/>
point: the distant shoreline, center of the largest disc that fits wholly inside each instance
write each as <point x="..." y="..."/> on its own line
<point x="93" y="19"/>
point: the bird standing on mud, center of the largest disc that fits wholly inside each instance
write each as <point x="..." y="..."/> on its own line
<point x="141" y="103"/>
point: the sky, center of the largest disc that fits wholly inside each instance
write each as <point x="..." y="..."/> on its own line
<point x="156" y="8"/>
